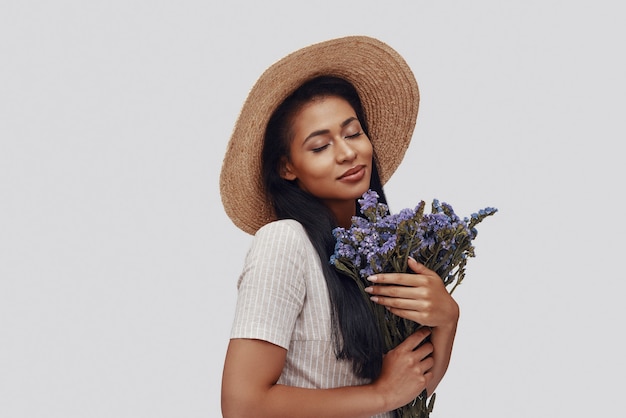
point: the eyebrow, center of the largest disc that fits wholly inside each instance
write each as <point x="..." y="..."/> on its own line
<point x="325" y="131"/>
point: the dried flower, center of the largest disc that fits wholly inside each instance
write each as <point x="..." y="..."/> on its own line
<point x="380" y="242"/>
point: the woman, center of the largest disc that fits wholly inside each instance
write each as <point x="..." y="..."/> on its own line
<point x="319" y="128"/>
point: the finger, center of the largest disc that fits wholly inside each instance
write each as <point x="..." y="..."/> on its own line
<point x="401" y="279"/>
<point x="412" y="303"/>
<point x="411" y="314"/>
<point x="428" y="363"/>
<point x="399" y="291"/>
<point x="424" y="350"/>
<point x="415" y="339"/>
<point x="417" y="267"/>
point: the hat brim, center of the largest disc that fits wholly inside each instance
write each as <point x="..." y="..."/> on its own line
<point x="387" y="89"/>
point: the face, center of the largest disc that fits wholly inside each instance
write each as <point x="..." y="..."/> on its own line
<point x="330" y="155"/>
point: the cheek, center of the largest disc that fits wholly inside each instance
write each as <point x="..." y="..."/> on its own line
<point x="320" y="168"/>
<point x="367" y="150"/>
<point x="311" y="168"/>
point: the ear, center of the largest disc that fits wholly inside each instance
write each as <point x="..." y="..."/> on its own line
<point x="286" y="170"/>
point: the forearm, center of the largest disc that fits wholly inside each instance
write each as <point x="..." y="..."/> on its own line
<point x="287" y="401"/>
<point x="442" y="338"/>
<point x="249" y="388"/>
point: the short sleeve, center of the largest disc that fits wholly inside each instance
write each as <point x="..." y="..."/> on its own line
<point x="272" y="288"/>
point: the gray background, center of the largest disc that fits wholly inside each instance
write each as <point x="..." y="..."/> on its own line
<point x="118" y="265"/>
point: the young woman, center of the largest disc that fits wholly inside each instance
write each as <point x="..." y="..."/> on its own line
<point x="319" y="128"/>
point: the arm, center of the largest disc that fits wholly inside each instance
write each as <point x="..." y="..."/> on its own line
<point x="252" y="368"/>
<point x="422" y="298"/>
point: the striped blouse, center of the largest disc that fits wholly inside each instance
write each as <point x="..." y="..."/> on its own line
<point x="283" y="298"/>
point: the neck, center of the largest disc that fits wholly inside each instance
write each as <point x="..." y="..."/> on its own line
<point x="343" y="211"/>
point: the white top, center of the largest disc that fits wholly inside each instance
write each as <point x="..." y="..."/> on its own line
<point x="283" y="299"/>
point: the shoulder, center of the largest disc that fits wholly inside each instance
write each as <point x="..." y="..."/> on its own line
<point x="280" y="250"/>
<point x="284" y="238"/>
<point x="282" y="225"/>
<point x="282" y="230"/>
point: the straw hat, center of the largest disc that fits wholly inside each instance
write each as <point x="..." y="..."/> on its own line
<point x="388" y="92"/>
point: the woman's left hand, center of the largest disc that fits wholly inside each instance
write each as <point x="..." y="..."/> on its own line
<point x="420" y="297"/>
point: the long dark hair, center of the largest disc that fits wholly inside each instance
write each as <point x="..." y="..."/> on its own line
<point x="355" y="334"/>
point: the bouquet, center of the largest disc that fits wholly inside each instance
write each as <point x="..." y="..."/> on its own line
<point x="380" y="242"/>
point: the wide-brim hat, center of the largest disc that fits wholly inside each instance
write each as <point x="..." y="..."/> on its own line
<point x="387" y="89"/>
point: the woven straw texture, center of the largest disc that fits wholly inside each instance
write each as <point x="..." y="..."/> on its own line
<point x="386" y="86"/>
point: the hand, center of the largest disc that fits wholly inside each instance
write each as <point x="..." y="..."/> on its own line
<point x="420" y="297"/>
<point x="406" y="370"/>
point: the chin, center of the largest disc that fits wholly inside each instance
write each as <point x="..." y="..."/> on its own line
<point x="361" y="191"/>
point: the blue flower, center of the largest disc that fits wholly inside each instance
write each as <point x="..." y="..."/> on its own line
<point x="380" y="241"/>
<point x="369" y="200"/>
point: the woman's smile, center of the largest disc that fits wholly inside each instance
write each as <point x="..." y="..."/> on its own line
<point x="353" y="174"/>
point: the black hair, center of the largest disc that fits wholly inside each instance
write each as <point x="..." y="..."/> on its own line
<point x="355" y="333"/>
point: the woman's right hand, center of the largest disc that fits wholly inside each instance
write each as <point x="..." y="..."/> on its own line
<point x="406" y="370"/>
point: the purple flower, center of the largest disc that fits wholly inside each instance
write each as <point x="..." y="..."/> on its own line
<point x="379" y="241"/>
<point x="382" y="242"/>
<point x="368" y="201"/>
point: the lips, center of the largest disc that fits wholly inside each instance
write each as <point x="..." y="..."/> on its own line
<point x="354" y="173"/>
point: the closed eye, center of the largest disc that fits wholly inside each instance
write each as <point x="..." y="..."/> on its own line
<point x="320" y="149"/>
<point x="356" y="135"/>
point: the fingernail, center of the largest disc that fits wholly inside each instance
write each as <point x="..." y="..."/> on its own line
<point x="374" y="298"/>
<point x="369" y="289"/>
<point x="372" y="278"/>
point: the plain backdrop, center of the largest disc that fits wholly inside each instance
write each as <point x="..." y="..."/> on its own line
<point x="118" y="265"/>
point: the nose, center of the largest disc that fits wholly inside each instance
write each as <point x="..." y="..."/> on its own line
<point x="345" y="151"/>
